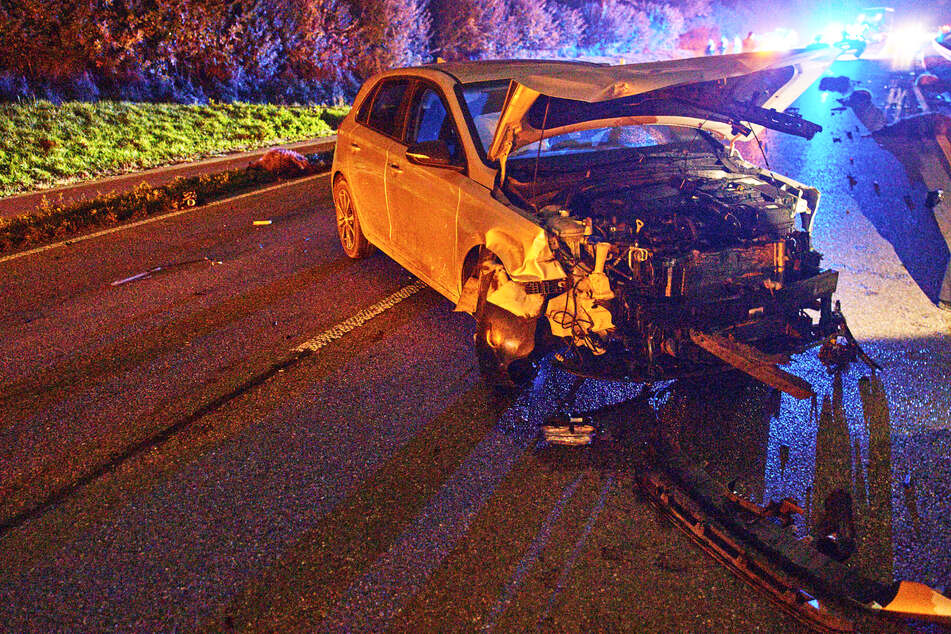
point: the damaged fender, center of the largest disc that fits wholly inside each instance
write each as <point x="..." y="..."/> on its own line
<point x="511" y="263"/>
<point x="506" y="319"/>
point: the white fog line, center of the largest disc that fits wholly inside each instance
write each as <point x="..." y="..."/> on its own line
<point x="365" y="315"/>
<point x="139" y="223"/>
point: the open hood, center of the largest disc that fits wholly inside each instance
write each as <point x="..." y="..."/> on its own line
<point x="727" y="94"/>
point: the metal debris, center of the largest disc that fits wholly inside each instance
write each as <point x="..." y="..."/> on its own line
<point x="570" y="431"/>
<point x="159" y="269"/>
<point x="934" y="198"/>
<point x="836" y="527"/>
<point x="754" y="363"/>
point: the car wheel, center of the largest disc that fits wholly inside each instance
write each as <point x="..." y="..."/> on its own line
<point x="354" y="243"/>
<point x="510" y="365"/>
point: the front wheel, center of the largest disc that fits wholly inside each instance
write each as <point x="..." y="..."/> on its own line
<point x="505" y="345"/>
<point x="354" y="243"/>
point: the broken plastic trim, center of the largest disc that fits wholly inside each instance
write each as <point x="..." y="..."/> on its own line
<point x="786" y="593"/>
<point x="831" y="578"/>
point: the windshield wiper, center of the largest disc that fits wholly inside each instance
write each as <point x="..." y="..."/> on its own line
<point x="740" y="113"/>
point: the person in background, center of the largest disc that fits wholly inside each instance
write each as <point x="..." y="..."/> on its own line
<point x="749" y="43"/>
<point x="710" y="49"/>
<point x="724" y="44"/>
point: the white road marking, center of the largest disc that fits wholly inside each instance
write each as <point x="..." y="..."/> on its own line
<point x="365" y="315"/>
<point x="139" y="223"/>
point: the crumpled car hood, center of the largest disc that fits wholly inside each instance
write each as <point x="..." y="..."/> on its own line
<point x="674" y="82"/>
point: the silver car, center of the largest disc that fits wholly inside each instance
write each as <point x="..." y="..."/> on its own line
<point x="603" y="212"/>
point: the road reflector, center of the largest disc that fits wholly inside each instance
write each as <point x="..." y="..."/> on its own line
<point x="261" y="223"/>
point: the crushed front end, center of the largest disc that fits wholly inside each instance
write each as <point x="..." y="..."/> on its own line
<point x="681" y="266"/>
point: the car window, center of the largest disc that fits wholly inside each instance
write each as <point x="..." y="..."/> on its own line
<point x="662" y="137"/>
<point x="429" y="121"/>
<point x="384" y="114"/>
<point x="485" y="105"/>
<point x="364" y="112"/>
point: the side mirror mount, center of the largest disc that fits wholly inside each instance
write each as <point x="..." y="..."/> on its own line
<point x="431" y="154"/>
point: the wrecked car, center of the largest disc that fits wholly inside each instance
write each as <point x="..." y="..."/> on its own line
<point x="603" y="213"/>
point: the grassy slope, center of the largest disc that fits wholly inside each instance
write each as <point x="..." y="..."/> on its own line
<point x="42" y="144"/>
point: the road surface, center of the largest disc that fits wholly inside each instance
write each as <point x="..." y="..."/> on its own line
<point x="170" y="461"/>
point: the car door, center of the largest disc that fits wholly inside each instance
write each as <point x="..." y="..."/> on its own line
<point x="370" y="141"/>
<point x="422" y="200"/>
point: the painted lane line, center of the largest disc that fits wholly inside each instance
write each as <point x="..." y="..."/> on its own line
<point x="530" y="557"/>
<point x="161" y="436"/>
<point x="365" y="315"/>
<point x="579" y="546"/>
<point x="139" y="223"/>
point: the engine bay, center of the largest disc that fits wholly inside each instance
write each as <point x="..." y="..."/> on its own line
<point x="664" y="256"/>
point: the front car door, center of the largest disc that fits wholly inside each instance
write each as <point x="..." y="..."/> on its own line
<point x="422" y="201"/>
<point x="378" y="127"/>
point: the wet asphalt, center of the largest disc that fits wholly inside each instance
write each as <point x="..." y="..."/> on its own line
<point x="167" y="462"/>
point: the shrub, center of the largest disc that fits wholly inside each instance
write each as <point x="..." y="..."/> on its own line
<point x="296" y="51"/>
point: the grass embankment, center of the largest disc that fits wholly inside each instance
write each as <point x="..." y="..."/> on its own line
<point x="51" y="223"/>
<point x="43" y="144"/>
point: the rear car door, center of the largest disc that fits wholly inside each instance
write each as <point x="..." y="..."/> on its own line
<point x="370" y="140"/>
<point x="422" y="200"/>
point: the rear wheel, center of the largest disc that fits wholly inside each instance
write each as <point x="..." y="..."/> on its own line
<point x="354" y="243"/>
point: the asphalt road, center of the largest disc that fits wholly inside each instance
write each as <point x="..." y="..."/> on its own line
<point x="169" y="461"/>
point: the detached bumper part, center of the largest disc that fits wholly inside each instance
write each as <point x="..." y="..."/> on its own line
<point x="919" y="601"/>
<point x="749" y="360"/>
<point x="572" y="431"/>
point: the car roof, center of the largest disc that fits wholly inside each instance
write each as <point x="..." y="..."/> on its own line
<point x="506" y="69"/>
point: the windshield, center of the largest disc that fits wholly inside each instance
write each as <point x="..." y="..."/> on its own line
<point x="601" y="139"/>
<point x="485" y="102"/>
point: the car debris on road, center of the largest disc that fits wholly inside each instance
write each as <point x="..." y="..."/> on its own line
<point x="766" y="554"/>
<point x="162" y="269"/>
<point x="934" y="198"/>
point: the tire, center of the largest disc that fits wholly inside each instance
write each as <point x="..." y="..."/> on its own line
<point x="354" y="243"/>
<point x="505" y="377"/>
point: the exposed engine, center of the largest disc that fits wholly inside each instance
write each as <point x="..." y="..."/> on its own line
<point x="657" y="267"/>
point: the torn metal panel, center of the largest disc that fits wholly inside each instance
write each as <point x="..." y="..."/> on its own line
<point x="749" y="360"/>
<point x="524" y="259"/>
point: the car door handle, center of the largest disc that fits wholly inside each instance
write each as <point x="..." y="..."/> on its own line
<point x="355" y="146"/>
<point x="396" y="167"/>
